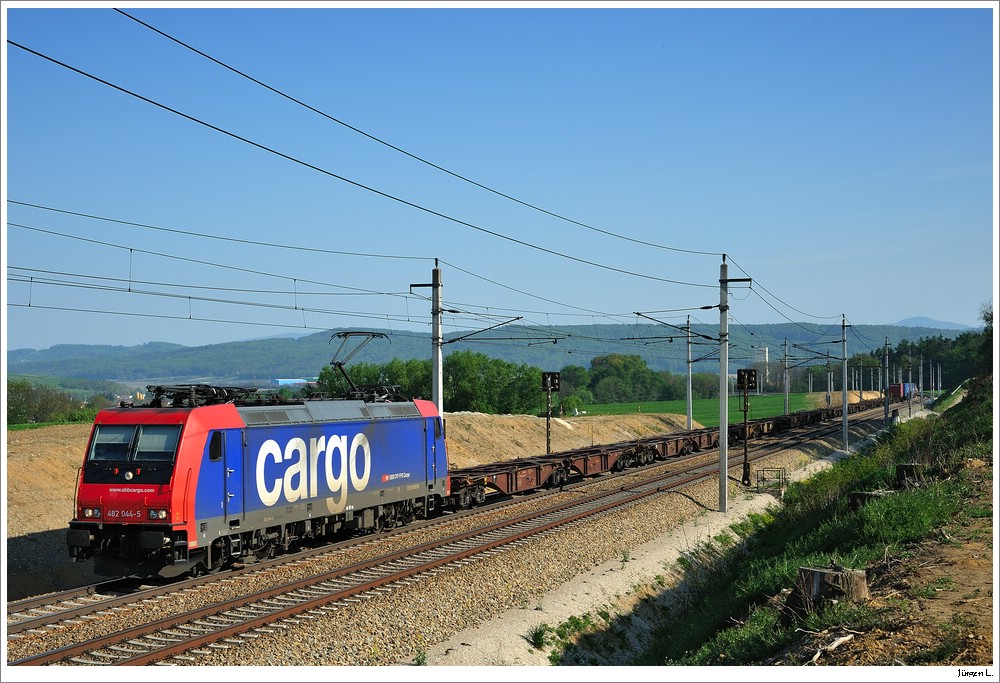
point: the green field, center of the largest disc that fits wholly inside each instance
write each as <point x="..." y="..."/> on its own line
<point x="705" y="411"/>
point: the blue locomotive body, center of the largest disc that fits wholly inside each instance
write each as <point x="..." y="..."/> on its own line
<point x="246" y="478"/>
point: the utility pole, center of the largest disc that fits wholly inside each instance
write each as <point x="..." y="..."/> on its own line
<point x="689" y="374"/>
<point x="437" y="338"/>
<point x="829" y="380"/>
<point x="885" y="389"/>
<point x="843" y="388"/>
<point x="785" y="345"/>
<point x="909" y="389"/>
<point x="724" y="382"/>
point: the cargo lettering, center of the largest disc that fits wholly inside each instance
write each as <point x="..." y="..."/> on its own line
<point x="304" y="470"/>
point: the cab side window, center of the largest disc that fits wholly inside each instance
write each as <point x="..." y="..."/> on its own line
<point x="216" y="446"/>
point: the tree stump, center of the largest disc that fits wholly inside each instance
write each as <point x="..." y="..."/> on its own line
<point x="817" y="586"/>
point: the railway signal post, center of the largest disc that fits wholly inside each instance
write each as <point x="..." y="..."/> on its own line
<point x="550" y="383"/>
<point x="746" y="381"/>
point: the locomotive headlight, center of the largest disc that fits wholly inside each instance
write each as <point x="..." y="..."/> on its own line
<point x="91" y="512"/>
<point x="157" y="514"/>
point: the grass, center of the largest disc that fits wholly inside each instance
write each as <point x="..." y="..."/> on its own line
<point x="538" y="636"/>
<point x="946" y="401"/>
<point x="37" y="425"/>
<point x="705" y="411"/>
<point x="727" y="615"/>
<point x="816" y="524"/>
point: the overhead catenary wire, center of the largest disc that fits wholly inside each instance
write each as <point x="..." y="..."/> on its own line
<point x="358" y="130"/>
<point x="188" y="259"/>
<point x="190" y="233"/>
<point x="449" y="172"/>
<point x="35" y="275"/>
<point x="132" y="290"/>
<point x="354" y="292"/>
<point x="797" y="324"/>
<point x="410" y="154"/>
<point x="406" y="202"/>
<point x="368" y="188"/>
<point x="757" y="284"/>
<point x="34" y="279"/>
<point x="235" y="240"/>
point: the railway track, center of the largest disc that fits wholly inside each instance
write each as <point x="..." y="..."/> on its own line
<point x="223" y="625"/>
<point x="191" y="633"/>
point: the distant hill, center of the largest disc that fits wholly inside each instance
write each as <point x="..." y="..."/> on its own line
<point x="921" y="321"/>
<point x="262" y="362"/>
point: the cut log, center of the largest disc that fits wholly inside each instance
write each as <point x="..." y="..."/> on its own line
<point x="909" y="475"/>
<point x="856" y="499"/>
<point x="817" y="586"/>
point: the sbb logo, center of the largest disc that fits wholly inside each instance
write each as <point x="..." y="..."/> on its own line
<point x="393" y="477"/>
<point x="326" y="459"/>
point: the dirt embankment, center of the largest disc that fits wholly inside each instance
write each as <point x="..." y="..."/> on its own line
<point x="477" y="438"/>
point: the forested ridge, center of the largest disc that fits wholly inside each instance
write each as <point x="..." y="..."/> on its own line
<point x="472" y="380"/>
<point x="548" y="348"/>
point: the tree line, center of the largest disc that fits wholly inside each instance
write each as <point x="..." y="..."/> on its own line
<point x="970" y="354"/>
<point x="476" y="382"/>
<point x="29" y="403"/>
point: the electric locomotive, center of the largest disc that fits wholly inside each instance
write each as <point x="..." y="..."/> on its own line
<point x="205" y="475"/>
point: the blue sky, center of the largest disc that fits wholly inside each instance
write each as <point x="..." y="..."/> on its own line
<point x="832" y="153"/>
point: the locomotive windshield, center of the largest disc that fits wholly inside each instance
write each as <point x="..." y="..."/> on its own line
<point x="140" y="454"/>
<point x="144" y="453"/>
<point x="134" y="443"/>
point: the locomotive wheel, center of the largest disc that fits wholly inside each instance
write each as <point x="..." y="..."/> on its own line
<point x="388" y="519"/>
<point x="264" y="552"/>
<point x="408" y="515"/>
<point x="202" y="568"/>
